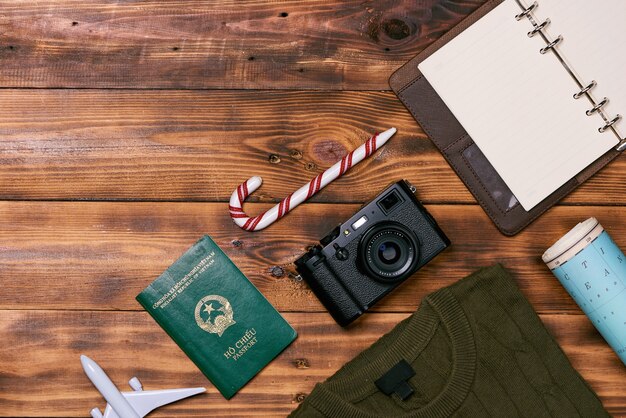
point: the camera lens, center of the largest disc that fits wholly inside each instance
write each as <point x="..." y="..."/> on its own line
<point x="389" y="252"/>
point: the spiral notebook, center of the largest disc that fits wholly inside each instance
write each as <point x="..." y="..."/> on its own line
<point x="537" y="90"/>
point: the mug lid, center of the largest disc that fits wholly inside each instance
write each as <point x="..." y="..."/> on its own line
<point x="570" y="241"/>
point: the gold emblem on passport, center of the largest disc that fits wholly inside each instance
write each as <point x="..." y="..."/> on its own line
<point x="214" y="314"/>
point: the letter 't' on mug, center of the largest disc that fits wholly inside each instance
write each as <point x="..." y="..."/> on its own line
<point x="593" y="270"/>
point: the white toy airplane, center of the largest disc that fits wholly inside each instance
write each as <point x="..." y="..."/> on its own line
<point x="136" y="404"/>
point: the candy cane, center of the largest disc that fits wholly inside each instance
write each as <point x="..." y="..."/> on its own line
<point x="303" y="193"/>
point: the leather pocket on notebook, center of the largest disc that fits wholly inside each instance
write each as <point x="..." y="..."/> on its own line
<point x="490" y="179"/>
<point x="479" y="175"/>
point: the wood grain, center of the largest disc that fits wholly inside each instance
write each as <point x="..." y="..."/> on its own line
<point x="106" y="253"/>
<point x="183" y="145"/>
<point x="47" y="368"/>
<point x="126" y="125"/>
<point x="192" y="44"/>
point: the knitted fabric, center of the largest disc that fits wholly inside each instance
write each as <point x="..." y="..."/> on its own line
<point x="478" y="350"/>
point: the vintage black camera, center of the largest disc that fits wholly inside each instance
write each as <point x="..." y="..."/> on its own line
<point x="371" y="253"/>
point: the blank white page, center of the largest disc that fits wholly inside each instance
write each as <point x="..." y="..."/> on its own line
<point x="594" y="44"/>
<point x="517" y="104"/>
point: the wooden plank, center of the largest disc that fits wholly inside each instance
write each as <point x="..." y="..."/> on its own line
<point x="192" y="44"/>
<point x="180" y="145"/>
<point x="46" y="369"/>
<point x="106" y="253"/>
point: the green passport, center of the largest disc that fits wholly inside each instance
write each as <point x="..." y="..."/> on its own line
<point x="217" y="317"/>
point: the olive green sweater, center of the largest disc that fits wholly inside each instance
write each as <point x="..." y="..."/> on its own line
<point x="478" y="349"/>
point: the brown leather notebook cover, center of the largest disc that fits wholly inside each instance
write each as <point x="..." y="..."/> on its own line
<point x="459" y="149"/>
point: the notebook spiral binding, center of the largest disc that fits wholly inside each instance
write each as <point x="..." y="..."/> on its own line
<point x="584" y="90"/>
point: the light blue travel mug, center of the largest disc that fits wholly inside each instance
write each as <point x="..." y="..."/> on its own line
<point x="593" y="271"/>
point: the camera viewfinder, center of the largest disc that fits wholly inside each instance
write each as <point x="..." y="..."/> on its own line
<point x="389" y="202"/>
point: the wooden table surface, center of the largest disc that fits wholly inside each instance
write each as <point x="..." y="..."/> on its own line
<point x="125" y="126"/>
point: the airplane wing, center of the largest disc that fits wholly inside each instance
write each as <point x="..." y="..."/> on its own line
<point x="145" y="401"/>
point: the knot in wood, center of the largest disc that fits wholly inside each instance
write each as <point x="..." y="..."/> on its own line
<point x="396" y="29"/>
<point x="277" y="271"/>
<point x="274" y="158"/>
<point x="302" y="363"/>
<point x="299" y="398"/>
<point x="329" y="151"/>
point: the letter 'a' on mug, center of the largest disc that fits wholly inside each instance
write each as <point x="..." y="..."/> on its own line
<point x="592" y="269"/>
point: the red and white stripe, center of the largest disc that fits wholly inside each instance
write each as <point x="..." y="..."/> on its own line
<point x="303" y="193"/>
